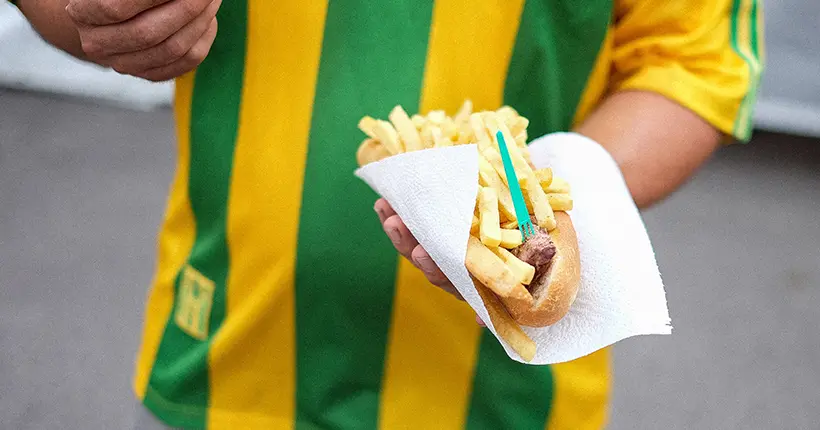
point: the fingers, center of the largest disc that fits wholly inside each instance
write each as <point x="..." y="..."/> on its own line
<point x="104" y="12"/>
<point x="406" y="244"/>
<point x="383" y="209"/>
<point x="143" y="31"/>
<point x="188" y="62"/>
<point x="171" y="49"/>
<point x="479" y="321"/>
<point x="422" y="260"/>
<point x="400" y="235"/>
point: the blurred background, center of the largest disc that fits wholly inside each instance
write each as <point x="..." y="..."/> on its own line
<point x="86" y="156"/>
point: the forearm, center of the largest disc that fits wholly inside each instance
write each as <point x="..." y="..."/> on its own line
<point x="657" y="143"/>
<point x="52" y="22"/>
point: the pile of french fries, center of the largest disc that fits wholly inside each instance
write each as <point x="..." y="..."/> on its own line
<point x="494" y="230"/>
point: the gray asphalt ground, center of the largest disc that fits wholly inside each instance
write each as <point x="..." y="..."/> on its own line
<point x="82" y="188"/>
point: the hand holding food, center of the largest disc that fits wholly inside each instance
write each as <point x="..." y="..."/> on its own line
<point x="530" y="282"/>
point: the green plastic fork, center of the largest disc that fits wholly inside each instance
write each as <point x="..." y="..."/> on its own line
<point x="521" y="212"/>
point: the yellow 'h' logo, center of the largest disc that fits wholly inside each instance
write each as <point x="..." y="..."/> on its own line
<point x="196" y="293"/>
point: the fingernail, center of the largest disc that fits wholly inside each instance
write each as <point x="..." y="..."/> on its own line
<point x="379" y="212"/>
<point x="395" y="237"/>
<point x="425" y="264"/>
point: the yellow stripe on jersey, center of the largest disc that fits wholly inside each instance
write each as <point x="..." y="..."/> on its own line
<point x="471" y="43"/>
<point x="581" y="393"/>
<point x="175" y="241"/>
<point x="253" y="355"/>
<point x="433" y="342"/>
<point x="430" y="357"/>
<point x="597" y="81"/>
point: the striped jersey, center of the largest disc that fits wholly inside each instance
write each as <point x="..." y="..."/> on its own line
<point x="279" y="302"/>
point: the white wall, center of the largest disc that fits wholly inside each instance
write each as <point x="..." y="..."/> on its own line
<point x="790" y="92"/>
<point x="789" y="100"/>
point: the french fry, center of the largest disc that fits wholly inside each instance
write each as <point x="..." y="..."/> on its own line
<point x="540" y="205"/>
<point x="477" y="124"/>
<point x="511" y="238"/>
<point x="518" y="160"/>
<point x="523" y="271"/>
<point x="527" y="201"/>
<point x="406" y="129"/>
<point x="464" y="137"/>
<point x="427" y="135"/>
<point x="490" y="231"/>
<point x="488" y="177"/>
<point x="544" y="177"/>
<point x="491" y="121"/>
<point x="418" y="121"/>
<point x="560" y="201"/>
<point x="463" y="114"/>
<point x="439" y="141"/>
<point x="369" y="151"/>
<point x="505" y="325"/>
<point x="494" y="158"/>
<point x="449" y="130"/>
<point x="509" y="225"/>
<point x="485" y="145"/>
<point x="493" y="154"/>
<point x="437" y="117"/>
<point x="557" y="186"/>
<point x="388" y="137"/>
<point x="519" y="125"/>
<point x="506" y="114"/>
<point x="521" y="141"/>
<point x="474" y="225"/>
<point x="368" y="125"/>
<point x="491" y="271"/>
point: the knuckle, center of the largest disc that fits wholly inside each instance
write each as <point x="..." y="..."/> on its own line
<point x="393" y="222"/>
<point x="112" y="10"/>
<point x="175" y="49"/>
<point x="119" y="67"/>
<point x="196" y="55"/>
<point x="190" y="9"/>
<point x="146" y="37"/>
<point x="419" y="253"/>
<point x="92" y="47"/>
<point x="439" y="279"/>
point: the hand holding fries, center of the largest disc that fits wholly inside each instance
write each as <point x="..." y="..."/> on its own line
<point x="514" y="278"/>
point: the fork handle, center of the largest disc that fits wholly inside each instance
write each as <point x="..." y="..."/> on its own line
<point x="519" y="204"/>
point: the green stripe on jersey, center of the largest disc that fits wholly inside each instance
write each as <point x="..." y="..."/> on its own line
<point x="743" y="119"/>
<point x="373" y="57"/>
<point x="506" y="393"/>
<point x="557" y="43"/>
<point x="178" y="388"/>
<point x="752" y="96"/>
<point x="754" y="29"/>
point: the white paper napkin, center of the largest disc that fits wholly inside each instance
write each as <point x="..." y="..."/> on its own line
<point x="621" y="293"/>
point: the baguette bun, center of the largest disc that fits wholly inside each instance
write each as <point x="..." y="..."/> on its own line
<point x="555" y="285"/>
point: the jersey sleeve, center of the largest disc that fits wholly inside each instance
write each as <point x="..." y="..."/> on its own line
<point x="706" y="55"/>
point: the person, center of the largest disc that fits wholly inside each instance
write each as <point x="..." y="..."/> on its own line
<point x="278" y="300"/>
